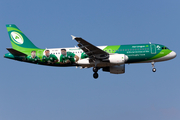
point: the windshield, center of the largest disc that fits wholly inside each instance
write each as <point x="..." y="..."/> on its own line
<point x="165" y="47"/>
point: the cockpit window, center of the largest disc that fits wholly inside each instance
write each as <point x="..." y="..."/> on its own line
<point x="165" y="47"/>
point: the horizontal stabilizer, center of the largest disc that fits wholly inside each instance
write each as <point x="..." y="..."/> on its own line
<point x="15" y="52"/>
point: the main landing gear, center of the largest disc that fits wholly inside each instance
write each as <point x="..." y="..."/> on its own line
<point x="95" y="70"/>
<point x="154" y="69"/>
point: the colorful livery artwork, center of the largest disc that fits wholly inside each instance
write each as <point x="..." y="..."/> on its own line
<point x="108" y="58"/>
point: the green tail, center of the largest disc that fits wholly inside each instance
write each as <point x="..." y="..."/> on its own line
<point x="19" y="40"/>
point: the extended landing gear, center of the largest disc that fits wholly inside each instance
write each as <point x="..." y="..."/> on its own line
<point x="154" y="69"/>
<point x="95" y="70"/>
<point x="95" y="75"/>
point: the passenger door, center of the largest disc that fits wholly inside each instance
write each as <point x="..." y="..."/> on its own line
<point x="153" y="49"/>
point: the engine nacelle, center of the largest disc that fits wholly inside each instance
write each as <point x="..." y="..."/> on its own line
<point x="118" y="58"/>
<point x="118" y="69"/>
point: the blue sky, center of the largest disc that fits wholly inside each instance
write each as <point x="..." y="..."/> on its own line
<point x="33" y="92"/>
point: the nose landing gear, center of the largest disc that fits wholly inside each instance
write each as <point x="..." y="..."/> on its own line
<point x="154" y="69"/>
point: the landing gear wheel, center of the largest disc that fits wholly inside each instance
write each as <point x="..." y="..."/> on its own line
<point x="95" y="75"/>
<point x="95" y="69"/>
<point x="154" y="69"/>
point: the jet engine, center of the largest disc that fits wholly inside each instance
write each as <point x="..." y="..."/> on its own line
<point x="118" y="69"/>
<point x="117" y="58"/>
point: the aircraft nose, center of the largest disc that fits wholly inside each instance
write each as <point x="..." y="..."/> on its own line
<point x="173" y="54"/>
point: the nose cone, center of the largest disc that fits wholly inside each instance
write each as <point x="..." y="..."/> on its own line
<point x="173" y="54"/>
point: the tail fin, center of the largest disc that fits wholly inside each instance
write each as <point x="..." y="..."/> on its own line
<point x="18" y="40"/>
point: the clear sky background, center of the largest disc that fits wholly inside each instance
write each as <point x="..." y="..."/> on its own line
<point x="34" y="92"/>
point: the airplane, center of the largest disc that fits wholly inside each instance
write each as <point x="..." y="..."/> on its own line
<point x="110" y="59"/>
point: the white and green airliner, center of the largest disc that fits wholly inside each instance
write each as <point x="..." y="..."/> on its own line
<point x="110" y="58"/>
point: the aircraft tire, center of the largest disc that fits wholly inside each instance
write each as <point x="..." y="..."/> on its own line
<point x="154" y="69"/>
<point x="95" y="75"/>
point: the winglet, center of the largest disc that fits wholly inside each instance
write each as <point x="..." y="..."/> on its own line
<point x="73" y="37"/>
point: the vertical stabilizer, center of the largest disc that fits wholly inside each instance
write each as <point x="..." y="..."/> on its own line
<point x="18" y="39"/>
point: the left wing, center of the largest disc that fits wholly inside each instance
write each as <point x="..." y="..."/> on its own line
<point x="92" y="51"/>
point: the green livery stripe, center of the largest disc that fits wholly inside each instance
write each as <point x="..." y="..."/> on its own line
<point x="112" y="49"/>
<point x="13" y="29"/>
<point x="161" y="54"/>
